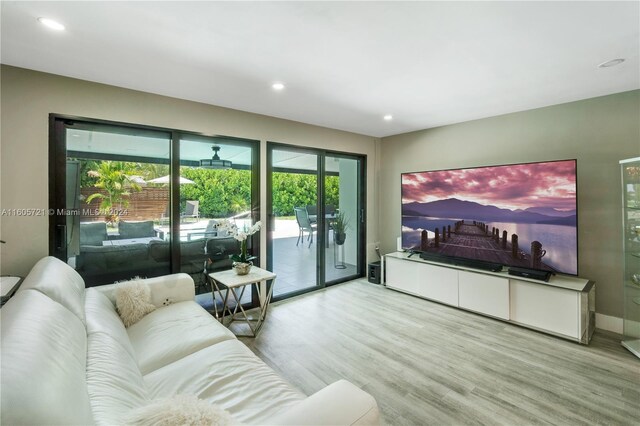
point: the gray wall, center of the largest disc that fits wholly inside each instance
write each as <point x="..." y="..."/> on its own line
<point x="598" y="132"/>
<point x="29" y="96"/>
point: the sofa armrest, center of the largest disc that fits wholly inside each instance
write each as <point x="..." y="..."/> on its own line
<point x="175" y="287"/>
<point x="340" y="403"/>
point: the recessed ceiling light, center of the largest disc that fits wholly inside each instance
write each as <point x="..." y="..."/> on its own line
<point x="388" y="117"/>
<point x="611" y="63"/>
<point x="50" y="23"/>
<point x="277" y="86"/>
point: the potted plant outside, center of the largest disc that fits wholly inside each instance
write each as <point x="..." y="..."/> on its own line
<point x="340" y="226"/>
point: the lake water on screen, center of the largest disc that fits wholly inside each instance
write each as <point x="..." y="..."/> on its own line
<point x="559" y="241"/>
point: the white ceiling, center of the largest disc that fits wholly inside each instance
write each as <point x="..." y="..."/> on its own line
<point x="345" y="64"/>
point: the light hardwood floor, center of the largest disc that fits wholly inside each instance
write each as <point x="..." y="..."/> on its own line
<point x="429" y="364"/>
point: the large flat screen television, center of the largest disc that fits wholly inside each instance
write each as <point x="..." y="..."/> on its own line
<point x="522" y="215"/>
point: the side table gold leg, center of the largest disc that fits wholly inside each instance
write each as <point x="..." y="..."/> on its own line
<point x="244" y="313"/>
<point x="265" y="306"/>
<point x="235" y="310"/>
<point x="214" y="289"/>
<point x="237" y="285"/>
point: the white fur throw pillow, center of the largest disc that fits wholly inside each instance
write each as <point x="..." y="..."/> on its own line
<point x="133" y="301"/>
<point x="181" y="410"/>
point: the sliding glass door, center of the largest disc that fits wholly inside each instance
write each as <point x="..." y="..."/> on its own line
<point x="210" y="194"/>
<point x="104" y="224"/>
<point x="137" y="201"/>
<point x="293" y="227"/>
<point x="315" y="233"/>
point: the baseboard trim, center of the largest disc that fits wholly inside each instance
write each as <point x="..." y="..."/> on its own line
<point x="609" y="323"/>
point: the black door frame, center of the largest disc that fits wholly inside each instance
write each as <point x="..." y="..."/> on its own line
<point x="322" y="154"/>
<point x="58" y="123"/>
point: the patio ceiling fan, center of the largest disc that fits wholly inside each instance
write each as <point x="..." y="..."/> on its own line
<point x="215" y="162"/>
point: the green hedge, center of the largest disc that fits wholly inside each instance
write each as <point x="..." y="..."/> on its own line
<point x="224" y="193"/>
<point x="221" y="193"/>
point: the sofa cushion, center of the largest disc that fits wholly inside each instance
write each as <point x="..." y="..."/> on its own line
<point x="43" y="371"/>
<point x="192" y="248"/>
<point x="114" y="382"/>
<point x="219" y="252"/>
<point x="58" y="281"/>
<point x="227" y="374"/>
<point x="222" y="248"/>
<point x="192" y="255"/>
<point x="102" y="318"/>
<point x="165" y="290"/>
<point x="109" y="258"/>
<point x="160" y="251"/>
<point x="93" y="233"/>
<point x="173" y="332"/>
<point x="136" y="229"/>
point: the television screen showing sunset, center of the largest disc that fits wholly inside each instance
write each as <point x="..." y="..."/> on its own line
<point x="518" y="215"/>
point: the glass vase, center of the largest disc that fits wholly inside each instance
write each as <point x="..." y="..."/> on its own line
<point x="242" y="268"/>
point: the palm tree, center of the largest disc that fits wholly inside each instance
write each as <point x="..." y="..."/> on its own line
<point x="114" y="178"/>
<point x="153" y="170"/>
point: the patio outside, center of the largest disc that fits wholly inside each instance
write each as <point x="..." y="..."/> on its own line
<point x="117" y="193"/>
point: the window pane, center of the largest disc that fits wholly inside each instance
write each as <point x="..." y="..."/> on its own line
<point x="116" y="231"/>
<point x="341" y="205"/>
<point x="220" y="191"/>
<point x="294" y="238"/>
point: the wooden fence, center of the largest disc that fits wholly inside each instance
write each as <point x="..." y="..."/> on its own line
<point x="148" y="204"/>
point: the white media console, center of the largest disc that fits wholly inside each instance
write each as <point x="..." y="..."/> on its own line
<point x="563" y="307"/>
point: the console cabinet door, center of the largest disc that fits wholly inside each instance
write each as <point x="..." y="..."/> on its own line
<point x="439" y="284"/>
<point x="402" y="274"/>
<point x="484" y="293"/>
<point x="544" y="307"/>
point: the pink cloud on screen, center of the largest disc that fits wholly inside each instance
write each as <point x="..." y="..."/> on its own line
<point x="550" y="184"/>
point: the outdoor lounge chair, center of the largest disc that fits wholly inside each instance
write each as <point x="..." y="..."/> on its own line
<point x="191" y="211"/>
<point x="164" y="219"/>
<point x="211" y="231"/>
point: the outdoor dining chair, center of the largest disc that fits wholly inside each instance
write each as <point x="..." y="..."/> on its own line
<point x="304" y="224"/>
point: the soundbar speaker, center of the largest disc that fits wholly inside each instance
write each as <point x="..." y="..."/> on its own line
<point x="533" y="274"/>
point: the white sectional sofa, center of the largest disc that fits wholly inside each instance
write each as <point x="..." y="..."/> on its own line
<point x="68" y="359"/>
